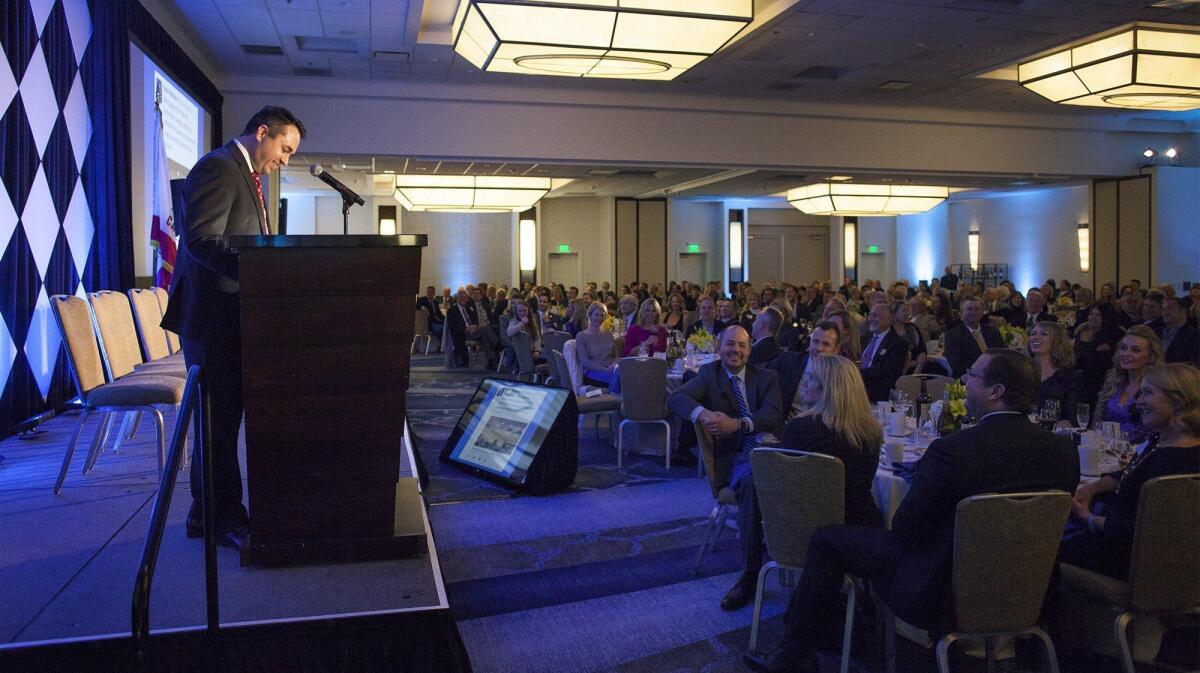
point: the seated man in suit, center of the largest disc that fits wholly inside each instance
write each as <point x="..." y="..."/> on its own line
<point x="725" y="312"/>
<point x="1035" y="305"/>
<point x="763" y="332"/>
<point x="434" y="318"/>
<point x="736" y="402"/>
<point x="909" y="566"/>
<point x="707" y="321"/>
<point x="1181" y="341"/>
<point x="791" y="365"/>
<point x="463" y="322"/>
<point x="627" y="310"/>
<point x="967" y="340"/>
<point x="885" y="356"/>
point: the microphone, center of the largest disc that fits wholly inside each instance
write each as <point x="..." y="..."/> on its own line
<point x="347" y="193"/>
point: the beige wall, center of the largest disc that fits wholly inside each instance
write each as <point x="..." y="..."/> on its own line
<point x="701" y="222"/>
<point x="464" y="248"/>
<point x="586" y="224"/>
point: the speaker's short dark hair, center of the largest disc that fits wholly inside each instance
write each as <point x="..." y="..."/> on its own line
<point x="275" y="118"/>
<point x="1018" y="374"/>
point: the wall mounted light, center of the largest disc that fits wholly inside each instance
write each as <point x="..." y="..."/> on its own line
<point x="850" y="247"/>
<point x="1149" y="153"/>
<point x="1151" y="66"/>
<point x="527" y="245"/>
<point x="973" y="249"/>
<point x="1085" y="247"/>
<point x="387" y="226"/>
<point x="627" y="39"/>
<point x="737" y="256"/>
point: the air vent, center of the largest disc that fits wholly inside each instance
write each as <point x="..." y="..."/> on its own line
<point x="784" y="86"/>
<point x="336" y="45"/>
<point x="312" y="72"/>
<point x="822" y="72"/>
<point x="262" y="50"/>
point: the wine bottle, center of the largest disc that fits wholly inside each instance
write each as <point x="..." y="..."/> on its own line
<point x="923" y="402"/>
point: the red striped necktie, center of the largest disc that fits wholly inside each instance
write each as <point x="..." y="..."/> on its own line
<point x="266" y="227"/>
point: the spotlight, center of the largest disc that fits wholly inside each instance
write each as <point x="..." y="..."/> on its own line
<point x="1171" y="153"/>
<point x="1149" y="153"/>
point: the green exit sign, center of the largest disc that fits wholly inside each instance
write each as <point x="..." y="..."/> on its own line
<point x="564" y="247"/>
<point x="872" y="249"/>
<point x="693" y="247"/>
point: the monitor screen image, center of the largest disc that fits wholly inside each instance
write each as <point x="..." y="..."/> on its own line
<point x="504" y="426"/>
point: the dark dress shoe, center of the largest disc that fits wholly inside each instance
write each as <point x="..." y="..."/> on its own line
<point x="783" y="660"/>
<point x="741" y="594"/>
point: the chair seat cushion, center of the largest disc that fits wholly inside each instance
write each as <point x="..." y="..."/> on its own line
<point x="137" y="390"/>
<point x="604" y="402"/>
<point x="1094" y="584"/>
<point x="160" y="368"/>
<point x="727" y="496"/>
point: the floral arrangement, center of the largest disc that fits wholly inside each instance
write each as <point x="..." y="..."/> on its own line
<point x="957" y="394"/>
<point x="1014" y="337"/>
<point x="609" y="324"/>
<point x="1064" y="301"/>
<point x="702" y="342"/>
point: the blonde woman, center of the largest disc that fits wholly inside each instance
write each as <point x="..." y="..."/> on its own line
<point x="577" y="319"/>
<point x="1138" y="350"/>
<point x="837" y="421"/>
<point x="1170" y="409"/>
<point x="648" y="330"/>
<point x="594" y="347"/>
<point x="1050" y="348"/>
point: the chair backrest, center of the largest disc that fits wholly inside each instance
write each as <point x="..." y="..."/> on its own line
<point x="421" y="323"/>
<point x="172" y="338"/>
<point x="147" y="316"/>
<point x="118" y="336"/>
<point x="522" y="346"/>
<point x="74" y="320"/>
<point x="935" y="385"/>
<point x="572" y="366"/>
<point x="704" y="442"/>
<point x="1005" y="546"/>
<point x="553" y="340"/>
<point x="558" y="369"/>
<point x="798" y="493"/>
<point x="1165" y="562"/>
<point x="643" y="388"/>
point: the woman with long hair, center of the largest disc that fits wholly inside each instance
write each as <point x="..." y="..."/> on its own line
<point x="648" y="330"/>
<point x="1096" y="339"/>
<point x="850" y="344"/>
<point x="594" y="347"/>
<point x="837" y="421"/>
<point x="1138" y="350"/>
<point x="576" y="317"/>
<point x="676" y="313"/>
<point x="524" y="332"/>
<point x="1169" y="402"/>
<point x="939" y="308"/>
<point x="1050" y="348"/>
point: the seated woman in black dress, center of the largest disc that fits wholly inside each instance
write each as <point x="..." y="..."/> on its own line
<point x="1051" y="350"/>
<point x="1170" y="406"/>
<point x="837" y="421"/>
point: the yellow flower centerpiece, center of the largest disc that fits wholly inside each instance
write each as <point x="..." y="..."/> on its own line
<point x="1014" y="337"/>
<point x="951" y="410"/>
<point x="608" y="324"/>
<point x="702" y="342"/>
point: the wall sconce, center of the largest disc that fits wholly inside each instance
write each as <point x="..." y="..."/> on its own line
<point x="1085" y="248"/>
<point x="527" y="238"/>
<point x="387" y="220"/>
<point x="973" y="249"/>
<point x="737" y="256"/>
<point x="850" y="247"/>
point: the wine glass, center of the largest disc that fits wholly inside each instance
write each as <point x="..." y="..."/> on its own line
<point x="1048" y="414"/>
<point x="1083" y="414"/>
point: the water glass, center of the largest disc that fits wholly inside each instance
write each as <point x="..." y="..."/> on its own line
<point x="1083" y="414"/>
<point x="1049" y="412"/>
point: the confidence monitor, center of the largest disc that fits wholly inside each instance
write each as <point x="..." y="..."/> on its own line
<point x="523" y="435"/>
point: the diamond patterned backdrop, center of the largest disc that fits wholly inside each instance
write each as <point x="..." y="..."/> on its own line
<point x="46" y="228"/>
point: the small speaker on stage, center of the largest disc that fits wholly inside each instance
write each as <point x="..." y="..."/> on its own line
<point x="522" y="435"/>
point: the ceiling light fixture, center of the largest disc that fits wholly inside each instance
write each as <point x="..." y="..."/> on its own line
<point x="471" y="193"/>
<point x="1149" y="66"/>
<point x="627" y="39"/>
<point x="1149" y="153"/>
<point x="850" y="198"/>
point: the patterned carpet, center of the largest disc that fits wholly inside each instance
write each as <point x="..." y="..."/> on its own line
<point x="597" y="578"/>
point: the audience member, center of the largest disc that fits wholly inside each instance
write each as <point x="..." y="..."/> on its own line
<point x="1095" y="342"/>
<point x="919" y="315"/>
<point x="735" y="401"/>
<point x="1034" y="312"/>
<point x="627" y="314"/>
<point x="463" y="322"/>
<point x="1051" y="350"/>
<point x="725" y="312"/>
<point x="1169" y="404"/>
<point x="707" y="319"/>
<point x="939" y="308"/>
<point x="577" y="319"/>
<point x="524" y="334"/>
<point x="594" y="348"/>
<point x="1152" y="311"/>
<point x="850" y="344"/>
<point x="885" y="356"/>
<point x="969" y="339"/>
<point x="765" y="346"/>
<point x="1131" y="309"/>
<point x="903" y="325"/>
<point x="1138" y="350"/>
<point x="1181" y="341"/>
<point x="435" y="320"/>
<point x="676" y="313"/>
<point x="949" y="279"/>
<point x="648" y="332"/>
<point x="909" y="566"/>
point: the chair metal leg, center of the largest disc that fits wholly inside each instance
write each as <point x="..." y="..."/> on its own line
<point x="1051" y="655"/>
<point x="62" y="471"/>
<point x="98" y="441"/>
<point x="943" y="651"/>
<point x="137" y="421"/>
<point x="758" y="596"/>
<point x="848" y="630"/>
<point x="889" y="641"/>
<point x="621" y="443"/>
<point x="162" y="441"/>
<point x="667" y="449"/>
<point x="1121" y="631"/>
<point x="708" y="533"/>
<point x="123" y="432"/>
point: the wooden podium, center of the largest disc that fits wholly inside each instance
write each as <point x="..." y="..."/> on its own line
<point x="327" y="324"/>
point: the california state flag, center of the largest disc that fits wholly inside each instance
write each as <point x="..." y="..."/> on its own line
<point x="162" y="222"/>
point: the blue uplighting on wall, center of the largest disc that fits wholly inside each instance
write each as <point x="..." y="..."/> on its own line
<point x="923" y="238"/>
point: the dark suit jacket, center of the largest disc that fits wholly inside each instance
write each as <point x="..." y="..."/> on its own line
<point x="221" y="200"/>
<point x="712" y="390"/>
<point x="886" y="366"/>
<point x="961" y="349"/>
<point x="1005" y="453"/>
<point x="1021" y="318"/>
<point x="764" y="350"/>
<point x="1185" y="346"/>
<point x="790" y="368"/>
<point x="435" y="316"/>
<point x="718" y="325"/>
<point x="455" y="322"/>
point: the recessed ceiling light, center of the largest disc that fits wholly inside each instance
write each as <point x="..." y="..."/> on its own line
<point x="839" y="178"/>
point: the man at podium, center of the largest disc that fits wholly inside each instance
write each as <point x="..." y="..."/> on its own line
<point x="223" y="197"/>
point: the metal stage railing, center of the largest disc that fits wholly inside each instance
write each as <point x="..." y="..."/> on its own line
<point x="196" y="398"/>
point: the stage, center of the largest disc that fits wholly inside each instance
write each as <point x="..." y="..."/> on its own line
<point x="68" y="564"/>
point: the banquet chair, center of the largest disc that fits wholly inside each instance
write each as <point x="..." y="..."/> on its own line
<point x="147" y="317"/>
<point x="935" y="385"/>
<point x="553" y="340"/>
<point x="798" y="493"/>
<point x="98" y="395"/>
<point x="1005" y="545"/>
<point x="172" y="338"/>
<point x="521" y="346"/>
<point x="1164" y="563"/>
<point x="603" y="403"/>
<point x="643" y="399"/>
<point x="723" y="496"/>
<point x="421" y="331"/>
